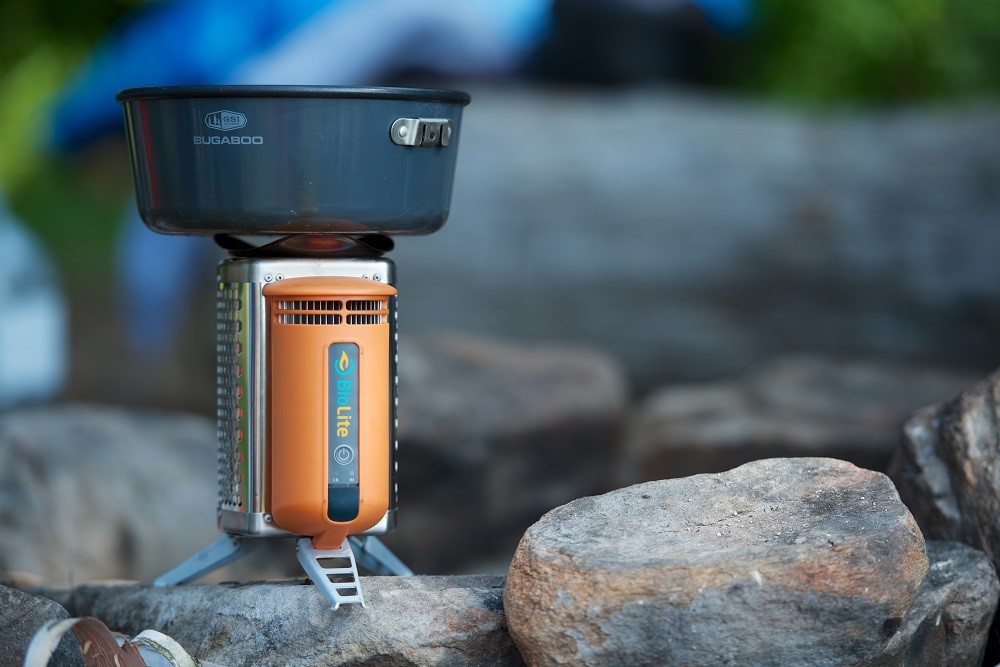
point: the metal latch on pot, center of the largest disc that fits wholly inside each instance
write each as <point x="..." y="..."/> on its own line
<point x="422" y="131"/>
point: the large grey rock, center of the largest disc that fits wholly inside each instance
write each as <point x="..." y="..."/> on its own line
<point x="778" y="562"/>
<point x="408" y="622"/>
<point x="21" y="615"/>
<point x="691" y="236"/>
<point x="922" y="468"/>
<point x="946" y="471"/>
<point x="795" y="406"/>
<point x="946" y="468"/>
<point x="949" y="621"/>
<point x="90" y="492"/>
<point x="492" y="435"/>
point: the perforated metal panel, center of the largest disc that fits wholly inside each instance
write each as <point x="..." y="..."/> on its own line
<point x="233" y="394"/>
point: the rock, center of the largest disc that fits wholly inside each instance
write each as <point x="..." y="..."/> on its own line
<point x="924" y="478"/>
<point x="949" y="621"/>
<point x="90" y="492"/>
<point x="781" y="561"/>
<point x="945" y="469"/>
<point x="21" y="615"/>
<point x="483" y="428"/>
<point x="795" y="406"/>
<point x="408" y="622"/>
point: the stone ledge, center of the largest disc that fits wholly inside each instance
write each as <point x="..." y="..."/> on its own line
<point x="408" y="622"/>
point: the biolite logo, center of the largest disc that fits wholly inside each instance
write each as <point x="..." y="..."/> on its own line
<point x="225" y="120"/>
<point x="344" y="364"/>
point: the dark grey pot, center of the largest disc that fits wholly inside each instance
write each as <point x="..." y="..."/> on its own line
<point x="288" y="159"/>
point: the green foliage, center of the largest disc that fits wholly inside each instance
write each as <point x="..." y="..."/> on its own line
<point x="24" y="24"/>
<point x="73" y="209"/>
<point x="874" y="50"/>
<point x="25" y="90"/>
<point x="41" y="43"/>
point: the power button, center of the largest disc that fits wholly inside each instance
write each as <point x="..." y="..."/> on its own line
<point x="343" y="455"/>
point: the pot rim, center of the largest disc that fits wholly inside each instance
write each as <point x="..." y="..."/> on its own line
<point x="294" y="92"/>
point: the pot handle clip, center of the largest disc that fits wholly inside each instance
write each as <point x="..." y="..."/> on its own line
<point x="422" y="131"/>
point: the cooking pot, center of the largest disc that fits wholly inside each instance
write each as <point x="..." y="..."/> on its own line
<point x="293" y="159"/>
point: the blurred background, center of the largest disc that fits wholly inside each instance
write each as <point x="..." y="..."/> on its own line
<point x="771" y="218"/>
<point x="691" y="186"/>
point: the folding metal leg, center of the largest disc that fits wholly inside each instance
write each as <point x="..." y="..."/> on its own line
<point x="339" y="583"/>
<point x="223" y="551"/>
<point x="377" y="558"/>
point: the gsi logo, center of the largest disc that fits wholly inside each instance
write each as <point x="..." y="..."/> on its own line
<point x="225" y="120"/>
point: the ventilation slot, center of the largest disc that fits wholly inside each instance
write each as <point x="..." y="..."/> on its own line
<point x="368" y="318"/>
<point x="365" y="311"/>
<point x="356" y="304"/>
<point x="309" y="305"/>
<point x="302" y="318"/>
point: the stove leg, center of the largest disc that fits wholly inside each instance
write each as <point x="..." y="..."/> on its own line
<point x="222" y="551"/>
<point x="333" y="571"/>
<point x="377" y="558"/>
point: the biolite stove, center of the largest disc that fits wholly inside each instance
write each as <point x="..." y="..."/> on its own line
<point x="304" y="187"/>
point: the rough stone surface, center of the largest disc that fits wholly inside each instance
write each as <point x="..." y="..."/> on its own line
<point x="946" y="472"/>
<point x="946" y="468"/>
<point x="949" y="621"/>
<point x="924" y="477"/>
<point x="408" y="622"/>
<point x="778" y="562"/>
<point x="795" y="406"/>
<point x="21" y="615"/>
<point x="90" y="492"/>
<point x="483" y="428"/>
